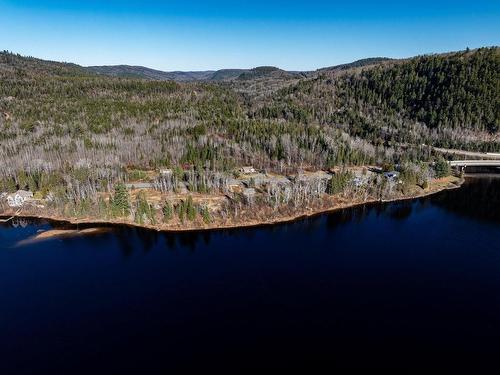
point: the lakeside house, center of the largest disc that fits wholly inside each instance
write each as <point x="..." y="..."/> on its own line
<point x="18" y="198"/>
<point x="247" y="170"/>
<point x="165" y="172"/>
<point x="392" y="176"/>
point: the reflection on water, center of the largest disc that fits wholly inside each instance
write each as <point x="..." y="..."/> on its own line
<point x="484" y="206"/>
<point x="20" y="222"/>
<point x="478" y="199"/>
<point x="382" y="285"/>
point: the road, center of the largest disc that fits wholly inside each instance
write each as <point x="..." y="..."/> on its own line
<point x="482" y="155"/>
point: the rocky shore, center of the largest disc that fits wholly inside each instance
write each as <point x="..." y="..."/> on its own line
<point x="330" y="204"/>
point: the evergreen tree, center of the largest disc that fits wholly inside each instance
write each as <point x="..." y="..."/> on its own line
<point x="167" y="211"/>
<point x="143" y="210"/>
<point x="442" y="168"/>
<point x="181" y="212"/>
<point x="205" y="214"/>
<point x="338" y="182"/>
<point x="120" y="204"/>
<point x="190" y="209"/>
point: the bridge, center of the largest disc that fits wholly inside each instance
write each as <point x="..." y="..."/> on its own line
<point x="475" y="163"/>
<point x="483" y="159"/>
<point x="476" y="155"/>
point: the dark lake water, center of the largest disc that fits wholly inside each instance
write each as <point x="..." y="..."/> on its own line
<point x="410" y="285"/>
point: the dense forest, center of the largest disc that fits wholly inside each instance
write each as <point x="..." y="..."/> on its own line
<point x="449" y="100"/>
<point x="66" y="130"/>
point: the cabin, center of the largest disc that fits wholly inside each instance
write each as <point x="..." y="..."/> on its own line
<point x="392" y="177"/>
<point x="18" y="198"/>
<point x="247" y="170"/>
<point x="165" y="172"/>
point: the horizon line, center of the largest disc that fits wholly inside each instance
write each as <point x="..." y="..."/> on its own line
<point x="247" y="68"/>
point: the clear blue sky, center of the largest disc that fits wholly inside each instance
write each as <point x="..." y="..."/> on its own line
<point x="198" y="35"/>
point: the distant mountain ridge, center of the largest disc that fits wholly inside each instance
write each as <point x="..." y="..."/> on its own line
<point x="128" y="71"/>
<point x="141" y="72"/>
<point x="267" y="72"/>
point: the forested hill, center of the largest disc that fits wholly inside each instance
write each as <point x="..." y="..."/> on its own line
<point x="15" y="64"/>
<point x="140" y="72"/>
<point x="457" y="90"/>
<point x="357" y="64"/>
<point x="75" y="134"/>
<point x="450" y="99"/>
<point x="59" y="116"/>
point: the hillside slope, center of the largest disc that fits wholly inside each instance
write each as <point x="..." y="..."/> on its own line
<point x="127" y="71"/>
<point x="356" y="64"/>
<point x="75" y="136"/>
<point x="451" y="99"/>
<point x="11" y="63"/>
<point x="140" y="72"/>
<point x="58" y="116"/>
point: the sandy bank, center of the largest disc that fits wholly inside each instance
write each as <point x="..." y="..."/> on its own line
<point x="61" y="233"/>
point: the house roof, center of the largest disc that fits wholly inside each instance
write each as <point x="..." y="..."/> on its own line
<point x="24" y="193"/>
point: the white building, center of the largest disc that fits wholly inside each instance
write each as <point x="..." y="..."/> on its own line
<point x="18" y="198"/>
<point x="247" y="170"/>
<point x="165" y="172"/>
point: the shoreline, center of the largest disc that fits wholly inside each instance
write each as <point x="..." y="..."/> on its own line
<point x="249" y="224"/>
